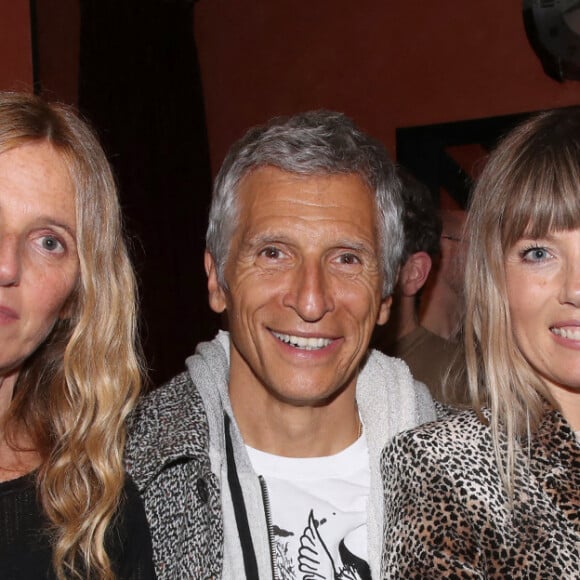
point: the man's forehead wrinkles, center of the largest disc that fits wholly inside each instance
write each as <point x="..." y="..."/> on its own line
<point x="318" y="201"/>
<point x="340" y="240"/>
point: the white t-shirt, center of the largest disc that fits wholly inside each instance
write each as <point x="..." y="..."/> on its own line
<point x="318" y="512"/>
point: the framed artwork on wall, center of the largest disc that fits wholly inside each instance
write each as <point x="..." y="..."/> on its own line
<point x="446" y="157"/>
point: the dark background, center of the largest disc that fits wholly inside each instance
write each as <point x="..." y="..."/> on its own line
<point x="170" y="84"/>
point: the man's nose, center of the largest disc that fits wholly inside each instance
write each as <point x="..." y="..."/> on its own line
<point x="310" y="294"/>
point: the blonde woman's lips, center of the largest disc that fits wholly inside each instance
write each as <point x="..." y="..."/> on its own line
<point x="7" y="314"/>
<point x="566" y="331"/>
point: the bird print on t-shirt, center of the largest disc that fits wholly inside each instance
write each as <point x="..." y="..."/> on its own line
<point x="315" y="561"/>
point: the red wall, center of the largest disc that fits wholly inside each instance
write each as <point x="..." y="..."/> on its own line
<point x="15" y="46"/>
<point x="386" y="63"/>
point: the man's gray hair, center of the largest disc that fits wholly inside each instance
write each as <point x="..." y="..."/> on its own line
<point x="312" y="143"/>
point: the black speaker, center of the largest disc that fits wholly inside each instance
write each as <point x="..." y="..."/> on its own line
<point x="553" y="30"/>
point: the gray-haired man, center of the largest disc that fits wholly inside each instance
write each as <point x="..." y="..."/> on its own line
<point x="262" y="459"/>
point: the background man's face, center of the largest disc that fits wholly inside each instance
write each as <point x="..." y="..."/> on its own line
<point x="451" y="264"/>
<point x="304" y="278"/>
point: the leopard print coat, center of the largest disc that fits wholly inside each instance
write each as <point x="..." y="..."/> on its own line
<point x="448" y="515"/>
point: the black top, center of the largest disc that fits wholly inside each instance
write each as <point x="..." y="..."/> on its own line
<point x="25" y="543"/>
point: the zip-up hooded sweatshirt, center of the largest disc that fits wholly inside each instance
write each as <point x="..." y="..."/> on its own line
<point x="176" y="455"/>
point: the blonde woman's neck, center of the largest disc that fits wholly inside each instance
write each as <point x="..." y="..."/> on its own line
<point x="17" y="457"/>
<point x="7" y="382"/>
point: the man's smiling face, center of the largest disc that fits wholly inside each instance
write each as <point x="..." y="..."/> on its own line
<point x="304" y="277"/>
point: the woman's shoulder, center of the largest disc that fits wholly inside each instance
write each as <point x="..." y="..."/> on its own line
<point x="455" y="429"/>
<point x="457" y="448"/>
<point x="129" y="539"/>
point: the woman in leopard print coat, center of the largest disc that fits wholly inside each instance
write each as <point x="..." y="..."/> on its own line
<point x="495" y="492"/>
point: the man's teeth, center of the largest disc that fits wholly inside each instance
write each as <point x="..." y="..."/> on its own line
<point x="301" y="342"/>
<point x="567" y="333"/>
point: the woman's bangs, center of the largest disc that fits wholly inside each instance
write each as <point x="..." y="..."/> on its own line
<point x="548" y="202"/>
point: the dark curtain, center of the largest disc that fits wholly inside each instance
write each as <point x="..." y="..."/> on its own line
<point x="139" y="84"/>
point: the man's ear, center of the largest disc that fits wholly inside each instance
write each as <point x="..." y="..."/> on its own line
<point x="217" y="297"/>
<point x="384" y="310"/>
<point x="414" y="273"/>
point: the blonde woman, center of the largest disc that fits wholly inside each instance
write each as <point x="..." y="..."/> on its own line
<point x="69" y="371"/>
<point x="495" y="492"/>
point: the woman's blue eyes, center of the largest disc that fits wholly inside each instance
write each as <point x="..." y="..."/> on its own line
<point x="51" y="244"/>
<point x="535" y="254"/>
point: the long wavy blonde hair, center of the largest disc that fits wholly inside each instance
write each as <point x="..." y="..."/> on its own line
<point x="529" y="187"/>
<point x="74" y="393"/>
